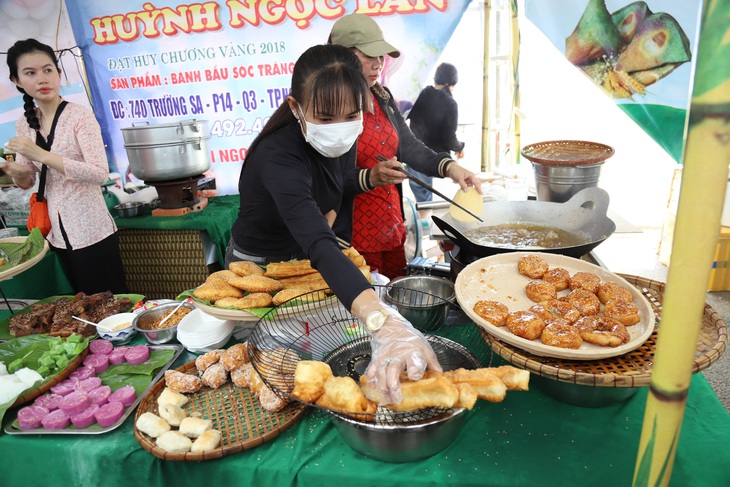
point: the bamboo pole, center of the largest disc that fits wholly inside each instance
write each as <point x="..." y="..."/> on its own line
<point x="516" y="81"/>
<point x="706" y="161"/>
<point x="486" y="164"/>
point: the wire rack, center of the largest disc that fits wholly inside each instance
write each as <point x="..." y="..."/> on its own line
<point x="331" y="334"/>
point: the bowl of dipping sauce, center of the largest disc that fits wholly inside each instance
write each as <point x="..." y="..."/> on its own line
<point x="148" y="321"/>
<point x="117" y="328"/>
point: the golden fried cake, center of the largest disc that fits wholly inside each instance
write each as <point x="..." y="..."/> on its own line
<point x="256" y="284"/>
<point x="344" y="394"/>
<point x="234" y="356"/>
<point x="216" y="289"/>
<point x="558" y="277"/>
<point x="623" y="311"/>
<point x="584" y="280"/>
<point x="532" y="266"/>
<point x="215" y="376"/>
<point x="584" y="301"/>
<point x="561" y="335"/>
<point x="207" y="359"/>
<point x="309" y="379"/>
<point x="603" y="331"/>
<point x="540" y="291"/>
<point x="608" y="291"/>
<point x="492" y="311"/>
<point x="249" y="301"/>
<point x="245" y="268"/>
<point x="181" y="382"/>
<point x="525" y="324"/>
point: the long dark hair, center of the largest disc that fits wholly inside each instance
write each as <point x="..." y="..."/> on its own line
<point x="21" y="48"/>
<point x="328" y="76"/>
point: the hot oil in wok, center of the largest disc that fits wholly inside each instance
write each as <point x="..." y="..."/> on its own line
<point x="525" y="236"/>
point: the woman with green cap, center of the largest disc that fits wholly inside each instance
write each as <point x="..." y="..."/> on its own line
<point x="376" y="227"/>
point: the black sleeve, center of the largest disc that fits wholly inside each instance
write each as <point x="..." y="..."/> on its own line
<point x="451" y="120"/>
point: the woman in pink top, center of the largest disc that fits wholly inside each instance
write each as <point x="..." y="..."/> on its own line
<point x="83" y="233"/>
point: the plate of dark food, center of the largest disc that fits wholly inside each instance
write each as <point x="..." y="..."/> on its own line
<point x="54" y="315"/>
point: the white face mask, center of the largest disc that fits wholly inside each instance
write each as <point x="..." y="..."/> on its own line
<point x="332" y="139"/>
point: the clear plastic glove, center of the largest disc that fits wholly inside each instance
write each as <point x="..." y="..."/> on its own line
<point x="398" y="346"/>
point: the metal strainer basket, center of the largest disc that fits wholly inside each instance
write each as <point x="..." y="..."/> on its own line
<point x="326" y="331"/>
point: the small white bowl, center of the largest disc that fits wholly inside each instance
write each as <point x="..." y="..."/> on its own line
<point x="117" y="337"/>
<point x="198" y="331"/>
<point x="199" y="348"/>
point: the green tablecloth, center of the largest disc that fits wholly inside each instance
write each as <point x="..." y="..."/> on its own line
<point x="46" y="278"/>
<point x="529" y="439"/>
<point x="216" y="219"/>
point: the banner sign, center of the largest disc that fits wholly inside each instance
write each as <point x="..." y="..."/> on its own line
<point x="638" y="53"/>
<point x="230" y="62"/>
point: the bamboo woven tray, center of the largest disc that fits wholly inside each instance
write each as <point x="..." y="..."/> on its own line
<point x="632" y="369"/>
<point x="14" y="271"/>
<point x="235" y="412"/>
<point x="567" y="152"/>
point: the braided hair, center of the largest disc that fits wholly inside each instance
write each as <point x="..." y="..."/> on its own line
<point x="19" y="49"/>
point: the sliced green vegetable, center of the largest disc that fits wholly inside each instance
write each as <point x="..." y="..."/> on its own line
<point x="75" y="338"/>
<point x="15" y="365"/>
<point x="44" y="371"/>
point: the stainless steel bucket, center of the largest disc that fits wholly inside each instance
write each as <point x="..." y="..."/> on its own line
<point x="559" y="183"/>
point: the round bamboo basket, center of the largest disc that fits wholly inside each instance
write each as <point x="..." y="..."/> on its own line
<point x="234" y="411"/>
<point x="632" y="369"/>
<point x="567" y="152"/>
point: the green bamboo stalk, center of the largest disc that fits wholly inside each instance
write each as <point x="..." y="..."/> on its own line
<point x="706" y="161"/>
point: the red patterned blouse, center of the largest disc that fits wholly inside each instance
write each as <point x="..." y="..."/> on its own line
<point x="377" y="220"/>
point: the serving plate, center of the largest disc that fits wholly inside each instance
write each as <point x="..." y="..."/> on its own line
<point x="5" y="324"/>
<point x="496" y="278"/>
<point x="12" y="427"/>
<point x="287" y="309"/>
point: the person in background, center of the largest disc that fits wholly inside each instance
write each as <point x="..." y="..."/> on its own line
<point x="83" y="233"/>
<point x="291" y="188"/>
<point x="433" y="119"/>
<point x="376" y="227"/>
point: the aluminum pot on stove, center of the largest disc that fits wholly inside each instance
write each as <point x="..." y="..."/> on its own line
<point x="148" y="134"/>
<point x="167" y="151"/>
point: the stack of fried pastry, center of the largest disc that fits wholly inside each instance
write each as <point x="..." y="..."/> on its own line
<point x="314" y="383"/>
<point x="591" y="310"/>
<point x="245" y="285"/>
<point x="217" y="367"/>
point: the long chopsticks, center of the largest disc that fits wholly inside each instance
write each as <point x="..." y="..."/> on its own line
<point x="429" y="187"/>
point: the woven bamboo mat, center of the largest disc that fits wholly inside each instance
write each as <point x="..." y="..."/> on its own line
<point x="632" y="369"/>
<point x="235" y="412"/>
<point x="567" y="152"/>
<point x="162" y="263"/>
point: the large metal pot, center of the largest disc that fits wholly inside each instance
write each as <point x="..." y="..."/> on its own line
<point x="169" y="160"/>
<point x="165" y="132"/>
<point x="584" y="213"/>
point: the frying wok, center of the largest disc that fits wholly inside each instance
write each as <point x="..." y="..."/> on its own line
<point x="584" y="213"/>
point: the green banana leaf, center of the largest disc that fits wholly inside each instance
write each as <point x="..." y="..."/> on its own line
<point x="17" y="253"/>
<point x="29" y="348"/>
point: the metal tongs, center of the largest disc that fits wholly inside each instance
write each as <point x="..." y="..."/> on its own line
<point x="429" y="187"/>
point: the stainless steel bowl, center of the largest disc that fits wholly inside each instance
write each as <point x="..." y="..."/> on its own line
<point x="423" y="300"/>
<point x="128" y="210"/>
<point x="401" y="443"/>
<point x="581" y="395"/>
<point x="144" y="320"/>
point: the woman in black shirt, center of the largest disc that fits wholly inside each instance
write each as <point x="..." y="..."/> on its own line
<point x="291" y="188"/>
